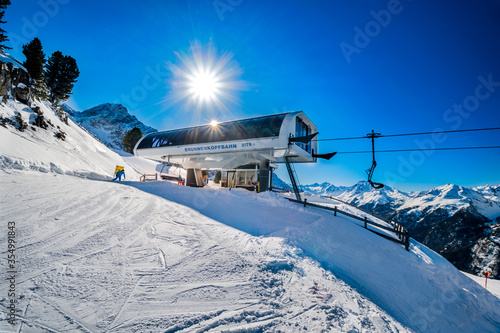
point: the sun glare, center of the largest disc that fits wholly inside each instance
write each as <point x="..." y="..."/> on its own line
<point x="214" y="123"/>
<point x="206" y="80"/>
<point x="204" y="85"/>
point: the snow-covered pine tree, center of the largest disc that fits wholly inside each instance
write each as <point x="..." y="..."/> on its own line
<point x="130" y="139"/>
<point x="3" y="35"/>
<point x="35" y="61"/>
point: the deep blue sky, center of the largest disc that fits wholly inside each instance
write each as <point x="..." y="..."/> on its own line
<point x="404" y="72"/>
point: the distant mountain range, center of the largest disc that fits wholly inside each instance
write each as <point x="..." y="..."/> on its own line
<point x="109" y="122"/>
<point x="460" y="223"/>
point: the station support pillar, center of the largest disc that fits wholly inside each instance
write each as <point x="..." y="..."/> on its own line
<point x="264" y="176"/>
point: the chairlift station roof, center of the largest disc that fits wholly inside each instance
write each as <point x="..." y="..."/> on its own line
<point x="230" y="144"/>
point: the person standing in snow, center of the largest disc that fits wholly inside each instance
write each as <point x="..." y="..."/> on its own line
<point x="119" y="175"/>
<point x="180" y="180"/>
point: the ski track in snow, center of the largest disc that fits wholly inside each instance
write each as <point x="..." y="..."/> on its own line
<point x="97" y="256"/>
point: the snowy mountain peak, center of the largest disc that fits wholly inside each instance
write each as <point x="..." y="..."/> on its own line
<point x="107" y="110"/>
<point x="362" y="186"/>
<point x="448" y="191"/>
<point x="109" y="122"/>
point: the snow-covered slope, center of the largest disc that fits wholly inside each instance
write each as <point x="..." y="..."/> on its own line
<point x="107" y="257"/>
<point x="109" y="122"/>
<point x="40" y="150"/>
<point x="125" y="257"/>
<point x="492" y="285"/>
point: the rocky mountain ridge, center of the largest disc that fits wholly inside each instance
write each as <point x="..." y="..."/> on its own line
<point x="109" y="122"/>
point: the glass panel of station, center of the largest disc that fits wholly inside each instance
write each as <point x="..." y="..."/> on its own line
<point x="260" y="127"/>
<point x="301" y="129"/>
<point x="245" y="176"/>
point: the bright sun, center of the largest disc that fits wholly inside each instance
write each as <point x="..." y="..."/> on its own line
<point x="206" y="80"/>
<point x="204" y="85"/>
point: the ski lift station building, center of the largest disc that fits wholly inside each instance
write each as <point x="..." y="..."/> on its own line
<point x="245" y="150"/>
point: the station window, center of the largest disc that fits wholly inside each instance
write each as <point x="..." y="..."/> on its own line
<point x="301" y="129"/>
<point x="246" y="177"/>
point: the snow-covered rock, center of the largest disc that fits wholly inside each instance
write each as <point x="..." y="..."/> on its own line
<point x="14" y="79"/>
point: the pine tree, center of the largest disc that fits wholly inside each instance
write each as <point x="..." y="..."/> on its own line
<point x="69" y="73"/>
<point x="53" y="73"/>
<point x="60" y="74"/>
<point x="130" y="139"/>
<point x="217" y="177"/>
<point x="35" y="60"/>
<point x="3" y="35"/>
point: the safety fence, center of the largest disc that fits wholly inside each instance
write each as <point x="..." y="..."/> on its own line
<point x="280" y="190"/>
<point x="403" y="237"/>
<point x="148" y="177"/>
<point x="361" y="209"/>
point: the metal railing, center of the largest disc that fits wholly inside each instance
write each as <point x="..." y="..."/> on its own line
<point x="280" y="190"/>
<point x="361" y="209"/>
<point x="403" y="237"/>
<point x="147" y="177"/>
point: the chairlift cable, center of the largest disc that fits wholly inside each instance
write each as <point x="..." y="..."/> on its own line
<point x="416" y="149"/>
<point x="374" y="136"/>
<point x="408" y="134"/>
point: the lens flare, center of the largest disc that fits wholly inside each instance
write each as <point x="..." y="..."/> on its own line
<point x="204" y="85"/>
<point x="205" y="81"/>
